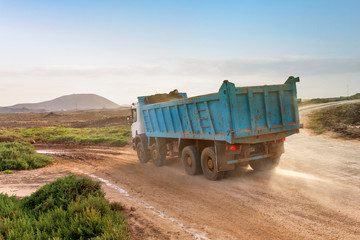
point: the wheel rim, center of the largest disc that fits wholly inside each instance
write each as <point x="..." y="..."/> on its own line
<point x="155" y="155"/>
<point x="189" y="161"/>
<point x="210" y="164"/>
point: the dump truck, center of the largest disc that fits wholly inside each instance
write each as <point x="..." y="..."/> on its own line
<point x="215" y="133"/>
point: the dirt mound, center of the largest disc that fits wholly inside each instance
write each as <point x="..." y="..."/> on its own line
<point x="163" y="97"/>
<point x="343" y="120"/>
<point x="51" y="114"/>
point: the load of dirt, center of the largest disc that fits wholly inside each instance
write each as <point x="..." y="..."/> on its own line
<point x="343" y="120"/>
<point x="163" y="97"/>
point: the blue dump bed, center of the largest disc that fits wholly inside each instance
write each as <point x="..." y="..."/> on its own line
<point x="234" y="114"/>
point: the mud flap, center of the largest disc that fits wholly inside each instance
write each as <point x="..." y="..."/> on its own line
<point x="161" y="143"/>
<point x="142" y="138"/>
<point x="276" y="148"/>
<point x="222" y="159"/>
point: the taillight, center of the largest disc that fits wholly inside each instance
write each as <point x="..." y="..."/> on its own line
<point x="280" y="140"/>
<point x="233" y="147"/>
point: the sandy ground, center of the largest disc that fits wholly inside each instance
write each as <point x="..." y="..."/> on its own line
<point x="313" y="194"/>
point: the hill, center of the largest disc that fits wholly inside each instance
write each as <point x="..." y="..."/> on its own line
<point x="65" y="103"/>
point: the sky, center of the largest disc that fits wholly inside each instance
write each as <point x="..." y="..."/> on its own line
<point x="124" y="49"/>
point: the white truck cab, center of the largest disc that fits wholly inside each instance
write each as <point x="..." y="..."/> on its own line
<point x="137" y="126"/>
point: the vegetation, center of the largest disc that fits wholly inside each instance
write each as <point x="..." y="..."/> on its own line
<point x="315" y="123"/>
<point x="326" y="100"/>
<point x="343" y="119"/>
<point x="69" y="208"/>
<point x="110" y="136"/>
<point x="20" y="156"/>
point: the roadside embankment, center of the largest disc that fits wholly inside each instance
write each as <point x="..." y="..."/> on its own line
<point x="344" y="120"/>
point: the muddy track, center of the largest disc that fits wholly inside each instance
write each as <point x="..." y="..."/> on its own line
<point x="313" y="194"/>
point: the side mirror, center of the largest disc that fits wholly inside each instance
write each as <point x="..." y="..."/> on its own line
<point x="128" y="119"/>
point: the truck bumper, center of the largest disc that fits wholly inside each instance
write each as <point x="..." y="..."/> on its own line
<point x="227" y="159"/>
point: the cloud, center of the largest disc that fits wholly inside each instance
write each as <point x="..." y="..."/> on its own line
<point x="200" y="67"/>
<point x="303" y="65"/>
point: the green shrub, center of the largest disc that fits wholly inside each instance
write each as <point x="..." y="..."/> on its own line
<point x="119" y="142"/>
<point x="116" y="206"/>
<point x="61" y="192"/>
<point x="21" y="156"/>
<point x="8" y="172"/>
<point x="315" y="123"/>
<point x="9" y="206"/>
<point x="84" y="215"/>
<point x="64" y="139"/>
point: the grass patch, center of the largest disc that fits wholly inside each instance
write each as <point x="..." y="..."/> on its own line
<point x="21" y="156"/>
<point x="108" y="136"/>
<point x="316" y="123"/>
<point x="8" y="172"/>
<point x="69" y="208"/>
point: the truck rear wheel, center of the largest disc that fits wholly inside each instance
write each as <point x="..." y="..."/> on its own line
<point x="143" y="154"/>
<point x="191" y="160"/>
<point x="208" y="164"/>
<point x="157" y="158"/>
<point x="264" y="164"/>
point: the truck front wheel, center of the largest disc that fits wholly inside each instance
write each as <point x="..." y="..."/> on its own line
<point x="208" y="164"/>
<point x="264" y="164"/>
<point x="143" y="154"/>
<point x="157" y="158"/>
<point x="191" y="160"/>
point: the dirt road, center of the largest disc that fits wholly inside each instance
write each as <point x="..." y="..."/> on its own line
<point x="313" y="194"/>
<point x="307" y="109"/>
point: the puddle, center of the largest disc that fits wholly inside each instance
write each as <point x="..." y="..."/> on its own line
<point x="50" y="152"/>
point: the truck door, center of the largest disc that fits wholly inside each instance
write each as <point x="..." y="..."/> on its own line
<point x="137" y="127"/>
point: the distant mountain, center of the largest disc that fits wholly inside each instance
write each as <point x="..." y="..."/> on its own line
<point x="64" y="103"/>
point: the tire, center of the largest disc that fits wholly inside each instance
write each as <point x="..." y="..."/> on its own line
<point x="142" y="153"/>
<point x="208" y="164"/>
<point x="190" y="157"/>
<point x="264" y="164"/>
<point x="274" y="162"/>
<point x="157" y="158"/>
